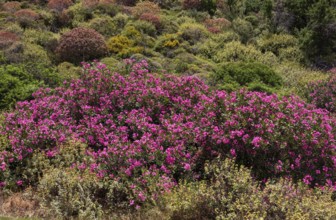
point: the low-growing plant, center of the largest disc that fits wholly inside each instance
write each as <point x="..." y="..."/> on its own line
<point x="193" y="32"/>
<point x="248" y="74"/>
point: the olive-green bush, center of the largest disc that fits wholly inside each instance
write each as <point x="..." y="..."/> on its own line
<point x="255" y="76"/>
<point x="232" y="193"/>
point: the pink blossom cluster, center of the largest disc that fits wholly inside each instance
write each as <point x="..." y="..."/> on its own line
<point x="323" y="93"/>
<point x="143" y="125"/>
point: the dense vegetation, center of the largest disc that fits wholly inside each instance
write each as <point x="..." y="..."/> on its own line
<point x="196" y="109"/>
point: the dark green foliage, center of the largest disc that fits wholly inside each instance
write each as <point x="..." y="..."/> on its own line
<point x="316" y="22"/>
<point x="256" y="76"/>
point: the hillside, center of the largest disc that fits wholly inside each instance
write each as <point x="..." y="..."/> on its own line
<point x="192" y="109"/>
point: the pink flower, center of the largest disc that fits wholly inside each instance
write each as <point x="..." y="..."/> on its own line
<point x="256" y="141"/>
<point x="142" y="196"/>
<point x="19" y="182"/>
<point x="233" y="152"/>
<point x="187" y="166"/>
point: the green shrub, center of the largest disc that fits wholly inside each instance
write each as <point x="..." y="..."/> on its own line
<point x="276" y="42"/>
<point x="297" y="77"/>
<point x="15" y="85"/>
<point x="68" y="71"/>
<point x="35" y="53"/>
<point x="69" y="193"/>
<point x="215" y="43"/>
<point x="243" y="28"/>
<point x="166" y="43"/>
<point x="120" y="20"/>
<point x="46" y="39"/>
<point x="255" y="76"/>
<point x="79" y="14"/>
<point x="291" y="54"/>
<point x="193" y="32"/>
<point x="236" y="51"/>
<point x="104" y="25"/>
<point x="231" y="193"/>
<point x="145" y="27"/>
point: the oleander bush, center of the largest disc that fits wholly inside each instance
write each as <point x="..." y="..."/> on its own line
<point x="81" y="44"/>
<point x="323" y="93"/>
<point x="253" y="82"/>
<point x="166" y="127"/>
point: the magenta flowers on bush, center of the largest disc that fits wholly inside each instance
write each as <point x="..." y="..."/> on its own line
<point x="323" y="93"/>
<point x="141" y="124"/>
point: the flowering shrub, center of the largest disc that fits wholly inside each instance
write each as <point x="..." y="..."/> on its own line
<point x="323" y="93"/>
<point x="149" y="131"/>
<point x="118" y="43"/>
<point x="81" y="44"/>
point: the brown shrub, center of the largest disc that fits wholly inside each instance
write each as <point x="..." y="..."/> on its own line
<point x="26" y="14"/>
<point x="192" y="4"/>
<point x="126" y="2"/>
<point x="59" y="5"/>
<point x="18" y="204"/>
<point x="145" y="7"/>
<point x="11" y="6"/>
<point x="90" y="3"/>
<point x="81" y="44"/>
<point x="7" y="39"/>
<point x="152" y="18"/>
<point x="217" y="25"/>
